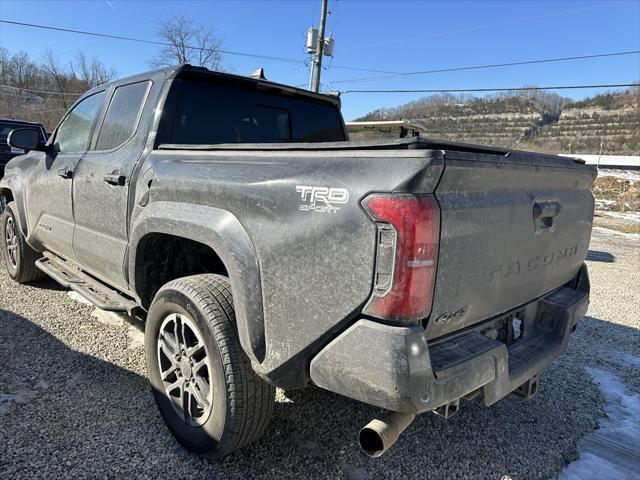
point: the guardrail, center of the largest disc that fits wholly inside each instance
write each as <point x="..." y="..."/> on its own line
<point x="619" y="162"/>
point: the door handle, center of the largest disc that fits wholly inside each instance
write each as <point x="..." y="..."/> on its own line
<point x="65" y="173"/>
<point x="116" y="179"/>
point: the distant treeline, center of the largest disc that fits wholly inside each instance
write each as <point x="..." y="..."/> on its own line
<point x="43" y="90"/>
<point x="530" y="119"/>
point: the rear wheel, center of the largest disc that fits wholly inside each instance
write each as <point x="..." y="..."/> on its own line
<point x="19" y="257"/>
<point x="208" y="394"/>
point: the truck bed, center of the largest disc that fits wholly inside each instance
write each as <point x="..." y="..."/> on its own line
<point x="385" y="144"/>
<point x="496" y="251"/>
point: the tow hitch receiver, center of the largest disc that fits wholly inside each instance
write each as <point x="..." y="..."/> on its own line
<point x="529" y="388"/>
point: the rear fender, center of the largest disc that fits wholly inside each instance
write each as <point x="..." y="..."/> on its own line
<point x="222" y="232"/>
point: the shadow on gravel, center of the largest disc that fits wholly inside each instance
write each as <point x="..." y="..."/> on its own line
<point x="600" y="256"/>
<point x="64" y="413"/>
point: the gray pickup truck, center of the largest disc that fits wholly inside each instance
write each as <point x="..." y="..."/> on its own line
<point x="263" y="249"/>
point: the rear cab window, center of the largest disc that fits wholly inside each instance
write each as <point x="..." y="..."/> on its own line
<point x="212" y="113"/>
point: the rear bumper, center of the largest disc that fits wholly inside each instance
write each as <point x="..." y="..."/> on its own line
<point x="395" y="368"/>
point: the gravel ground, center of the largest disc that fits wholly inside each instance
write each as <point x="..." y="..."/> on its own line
<point x="74" y="401"/>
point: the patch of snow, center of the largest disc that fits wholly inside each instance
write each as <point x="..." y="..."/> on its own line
<point x="516" y="323"/>
<point x="78" y="298"/>
<point x="16" y="391"/>
<point x="612" y="451"/>
<point x="114" y="319"/>
<point x="354" y="472"/>
<point x="136" y="337"/>
<point x="608" y="231"/>
<point x="108" y="318"/>
<point x="633" y="217"/>
<point x="591" y="467"/>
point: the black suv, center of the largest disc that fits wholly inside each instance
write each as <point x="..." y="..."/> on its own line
<point x="7" y="152"/>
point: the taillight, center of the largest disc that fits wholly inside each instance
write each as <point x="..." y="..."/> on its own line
<point x="406" y="256"/>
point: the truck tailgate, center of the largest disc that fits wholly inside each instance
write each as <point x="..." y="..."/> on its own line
<point x="513" y="227"/>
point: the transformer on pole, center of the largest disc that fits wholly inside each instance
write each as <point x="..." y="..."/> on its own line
<point x="328" y="46"/>
<point x="319" y="46"/>
<point x="312" y="40"/>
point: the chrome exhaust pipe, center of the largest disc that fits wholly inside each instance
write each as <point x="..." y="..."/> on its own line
<point x="381" y="433"/>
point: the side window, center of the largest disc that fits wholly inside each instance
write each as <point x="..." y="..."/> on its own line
<point x="121" y="120"/>
<point x="74" y="134"/>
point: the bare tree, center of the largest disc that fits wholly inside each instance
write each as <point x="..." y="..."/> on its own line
<point x="44" y="90"/>
<point x="6" y="66"/>
<point x="188" y="42"/>
<point x="91" y="72"/>
<point x="23" y="69"/>
<point x="53" y="69"/>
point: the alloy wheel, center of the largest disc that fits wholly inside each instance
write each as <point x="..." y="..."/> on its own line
<point x="185" y="369"/>
<point x="11" y="241"/>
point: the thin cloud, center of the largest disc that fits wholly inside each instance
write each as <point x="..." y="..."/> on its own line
<point x="111" y="6"/>
<point x="465" y="30"/>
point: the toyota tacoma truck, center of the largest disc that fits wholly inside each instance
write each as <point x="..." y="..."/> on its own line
<point x="264" y="249"/>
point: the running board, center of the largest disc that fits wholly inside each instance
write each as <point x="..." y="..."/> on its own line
<point x="90" y="288"/>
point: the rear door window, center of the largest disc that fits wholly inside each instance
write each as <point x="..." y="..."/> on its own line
<point x="123" y="114"/>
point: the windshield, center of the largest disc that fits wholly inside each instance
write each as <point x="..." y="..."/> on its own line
<point x="208" y="113"/>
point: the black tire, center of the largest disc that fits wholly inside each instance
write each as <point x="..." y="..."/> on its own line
<point x="19" y="257"/>
<point x="242" y="403"/>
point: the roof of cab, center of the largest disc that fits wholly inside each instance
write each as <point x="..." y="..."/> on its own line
<point x="22" y="122"/>
<point x="189" y="71"/>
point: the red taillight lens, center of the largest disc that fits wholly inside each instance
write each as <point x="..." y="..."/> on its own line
<point x="409" y="228"/>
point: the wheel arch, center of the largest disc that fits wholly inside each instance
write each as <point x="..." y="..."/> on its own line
<point x="221" y="232"/>
<point x="6" y="193"/>
<point x="11" y="189"/>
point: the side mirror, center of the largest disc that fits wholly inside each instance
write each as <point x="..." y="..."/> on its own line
<point x="25" y="138"/>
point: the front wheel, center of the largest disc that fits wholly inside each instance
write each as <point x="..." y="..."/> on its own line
<point x="209" y="396"/>
<point x="19" y="257"/>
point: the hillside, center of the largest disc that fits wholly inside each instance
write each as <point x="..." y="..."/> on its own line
<point x="529" y="120"/>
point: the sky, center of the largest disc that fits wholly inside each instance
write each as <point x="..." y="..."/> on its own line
<point x="389" y="35"/>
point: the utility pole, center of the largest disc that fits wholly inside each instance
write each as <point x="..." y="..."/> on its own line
<point x="600" y="154"/>
<point x="316" y="67"/>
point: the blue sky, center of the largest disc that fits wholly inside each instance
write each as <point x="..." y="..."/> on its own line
<point x="377" y="34"/>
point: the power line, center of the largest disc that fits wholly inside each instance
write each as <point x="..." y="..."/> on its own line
<point x="492" y="65"/>
<point x="165" y="44"/>
<point x="507" y="89"/>
<point x="143" y="40"/>
<point x="26" y="112"/>
<point x="36" y="91"/>
<point x="564" y="87"/>
<point x="388" y="73"/>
